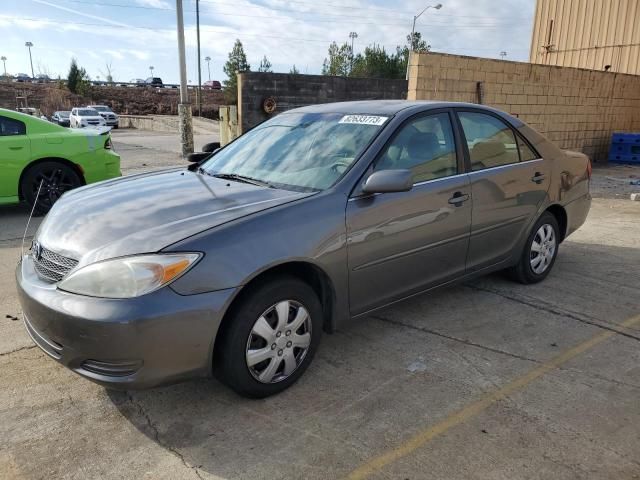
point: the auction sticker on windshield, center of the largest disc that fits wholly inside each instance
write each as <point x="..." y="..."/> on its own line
<point x="363" y="119"/>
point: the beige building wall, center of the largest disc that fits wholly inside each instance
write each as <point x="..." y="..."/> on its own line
<point x="587" y="34"/>
<point x="577" y="109"/>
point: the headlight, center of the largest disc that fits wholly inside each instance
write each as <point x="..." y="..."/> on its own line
<point x="128" y="277"/>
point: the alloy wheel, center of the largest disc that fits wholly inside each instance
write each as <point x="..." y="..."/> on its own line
<point x="55" y="181"/>
<point x="278" y="342"/>
<point x="543" y="249"/>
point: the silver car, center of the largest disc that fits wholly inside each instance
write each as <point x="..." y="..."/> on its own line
<point x="236" y="265"/>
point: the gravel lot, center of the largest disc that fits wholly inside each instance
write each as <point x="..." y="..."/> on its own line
<point x="486" y="380"/>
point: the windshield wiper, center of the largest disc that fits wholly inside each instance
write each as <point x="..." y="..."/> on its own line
<point x="242" y="178"/>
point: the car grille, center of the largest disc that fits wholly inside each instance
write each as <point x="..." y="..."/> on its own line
<point x="93" y="122"/>
<point x="50" y="266"/>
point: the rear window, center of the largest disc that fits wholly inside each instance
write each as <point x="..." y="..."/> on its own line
<point x="10" y="127"/>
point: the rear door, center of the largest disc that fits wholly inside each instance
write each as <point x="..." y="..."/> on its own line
<point x="401" y="243"/>
<point x="15" y="153"/>
<point x="509" y="181"/>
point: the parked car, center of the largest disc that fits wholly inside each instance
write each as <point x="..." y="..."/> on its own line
<point x="235" y="265"/>
<point x="61" y="118"/>
<point x="154" y="82"/>
<point x="22" y="78"/>
<point x="109" y="116"/>
<point x="138" y="82"/>
<point x="212" y="85"/>
<point x="34" y="151"/>
<point x="86" y="117"/>
<point x="42" y="78"/>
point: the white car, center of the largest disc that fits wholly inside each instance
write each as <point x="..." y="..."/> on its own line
<point x="109" y="115"/>
<point x="86" y="117"/>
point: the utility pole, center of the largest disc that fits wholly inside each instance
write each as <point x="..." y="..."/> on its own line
<point x="199" y="66"/>
<point x="208" y="59"/>
<point x="4" y="62"/>
<point x="412" y="47"/>
<point x="352" y="36"/>
<point x="29" y="45"/>
<point x="184" y="107"/>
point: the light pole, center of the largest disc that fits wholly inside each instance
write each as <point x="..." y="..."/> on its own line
<point x="503" y="54"/>
<point x="199" y="92"/>
<point x="4" y="62"/>
<point x="184" y="107"/>
<point x="151" y="67"/>
<point x="413" y="32"/>
<point x="208" y="59"/>
<point x="29" y="45"/>
<point x="352" y="36"/>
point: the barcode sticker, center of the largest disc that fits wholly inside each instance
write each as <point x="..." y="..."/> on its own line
<point x="363" y="119"/>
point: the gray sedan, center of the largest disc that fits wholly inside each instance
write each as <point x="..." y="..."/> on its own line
<point x="236" y="265"/>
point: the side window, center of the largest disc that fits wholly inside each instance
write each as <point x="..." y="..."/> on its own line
<point x="425" y="146"/>
<point x="526" y="153"/>
<point x="491" y="142"/>
<point x="9" y="127"/>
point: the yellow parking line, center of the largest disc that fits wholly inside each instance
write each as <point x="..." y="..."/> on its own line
<point x="480" y="405"/>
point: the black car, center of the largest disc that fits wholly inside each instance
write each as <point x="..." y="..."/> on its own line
<point x="154" y="82"/>
<point x="61" y="118"/>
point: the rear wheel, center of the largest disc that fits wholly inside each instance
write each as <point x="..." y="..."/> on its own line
<point x="55" y="177"/>
<point x="540" y="251"/>
<point x="271" y="338"/>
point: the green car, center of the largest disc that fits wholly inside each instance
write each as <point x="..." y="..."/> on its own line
<point x="39" y="160"/>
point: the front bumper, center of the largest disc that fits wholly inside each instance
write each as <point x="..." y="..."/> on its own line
<point x="162" y="337"/>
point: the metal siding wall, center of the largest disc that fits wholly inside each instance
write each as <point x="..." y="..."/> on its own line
<point x="580" y="25"/>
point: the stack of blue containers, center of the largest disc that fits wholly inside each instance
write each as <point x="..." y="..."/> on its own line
<point x="625" y="148"/>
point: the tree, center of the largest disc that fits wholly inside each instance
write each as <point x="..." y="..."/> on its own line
<point x="377" y="63"/>
<point x="236" y="63"/>
<point x="419" y="45"/>
<point x="77" y="80"/>
<point x="108" y="75"/>
<point x="265" y="65"/>
<point x="339" y="61"/>
<point x="294" y="70"/>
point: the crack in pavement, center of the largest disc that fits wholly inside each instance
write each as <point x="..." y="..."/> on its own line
<point x="550" y="308"/>
<point x="502" y="352"/>
<point x="27" y="347"/>
<point x="156" y="436"/>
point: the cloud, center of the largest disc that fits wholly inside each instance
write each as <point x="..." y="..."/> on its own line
<point x="154" y="3"/>
<point x="86" y="15"/>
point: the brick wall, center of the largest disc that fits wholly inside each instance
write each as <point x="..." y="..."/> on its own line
<point x="577" y="109"/>
<point x="291" y="91"/>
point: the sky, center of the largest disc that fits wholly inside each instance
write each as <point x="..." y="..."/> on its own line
<point x="132" y="35"/>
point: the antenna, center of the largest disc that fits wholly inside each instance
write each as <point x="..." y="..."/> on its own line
<point x="29" y="219"/>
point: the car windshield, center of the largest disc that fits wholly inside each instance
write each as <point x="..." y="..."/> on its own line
<point x="297" y="151"/>
<point x="64" y="114"/>
<point x="88" y="112"/>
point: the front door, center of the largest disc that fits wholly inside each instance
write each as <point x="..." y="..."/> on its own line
<point x="509" y="181"/>
<point x="15" y="152"/>
<point x="403" y="243"/>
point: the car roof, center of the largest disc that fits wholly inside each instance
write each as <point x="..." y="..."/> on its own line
<point x="392" y="107"/>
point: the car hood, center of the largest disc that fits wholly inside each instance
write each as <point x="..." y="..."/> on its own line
<point x="148" y="212"/>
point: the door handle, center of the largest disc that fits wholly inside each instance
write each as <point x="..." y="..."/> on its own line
<point x="538" y="178"/>
<point x="15" y="148"/>
<point x="458" y="198"/>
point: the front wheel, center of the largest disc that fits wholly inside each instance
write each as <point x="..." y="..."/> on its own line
<point x="271" y="338"/>
<point x="540" y="251"/>
<point x="52" y="179"/>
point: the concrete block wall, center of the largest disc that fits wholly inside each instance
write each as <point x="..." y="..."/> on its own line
<point x="578" y="109"/>
<point x="291" y="91"/>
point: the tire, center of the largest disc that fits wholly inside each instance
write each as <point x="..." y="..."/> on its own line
<point x="266" y="374"/>
<point x="534" y="265"/>
<point x="56" y="178"/>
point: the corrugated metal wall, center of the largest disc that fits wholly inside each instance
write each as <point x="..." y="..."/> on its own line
<point x="587" y="34"/>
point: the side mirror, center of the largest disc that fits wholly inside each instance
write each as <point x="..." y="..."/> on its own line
<point x="211" y="147"/>
<point x="388" y="181"/>
<point x="197" y="157"/>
